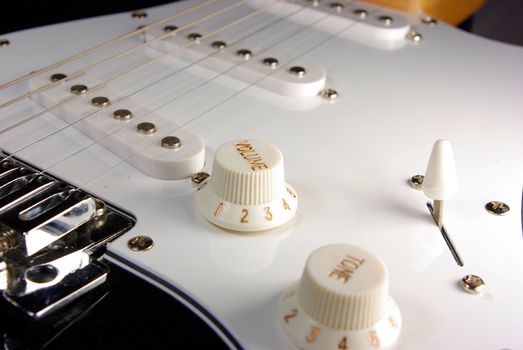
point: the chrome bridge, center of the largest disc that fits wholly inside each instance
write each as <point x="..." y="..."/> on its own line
<point x="52" y="238"/>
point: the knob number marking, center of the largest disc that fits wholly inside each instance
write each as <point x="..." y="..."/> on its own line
<point x="393" y="322"/>
<point x="243" y="219"/>
<point x="293" y="313"/>
<point x="346" y="268"/>
<point x="313" y="335"/>
<point x="343" y="344"/>
<point x="285" y="205"/>
<point x="218" y="210"/>
<point x="268" y="214"/>
<point x="373" y="339"/>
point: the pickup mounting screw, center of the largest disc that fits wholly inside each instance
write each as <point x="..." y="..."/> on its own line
<point x="4" y="42"/>
<point x="139" y="14"/>
<point x="473" y="284"/>
<point x="417" y="181"/>
<point x="329" y="94"/>
<point x="140" y="243"/>
<point x="200" y="177"/>
<point x="414" y="36"/>
<point x="497" y="208"/>
<point x="429" y="20"/>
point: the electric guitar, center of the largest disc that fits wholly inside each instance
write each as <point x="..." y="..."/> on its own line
<point x="254" y="169"/>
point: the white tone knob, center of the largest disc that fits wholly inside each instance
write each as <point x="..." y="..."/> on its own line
<point x="341" y="302"/>
<point x="246" y="190"/>
<point x="440" y="181"/>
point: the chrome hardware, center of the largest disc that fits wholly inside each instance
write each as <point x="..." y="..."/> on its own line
<point x="414" y="36"/>
<point x="169" y="28"/>
<point x="386" y="20"/>
<point x="244" y="53"/>
<point x="100" y="101"/>
<point x="146" y="128"/>
<point x="473" y="284"/>
<point x="139" y="14"/>
<point x="270" y="62"/>
<point x="57" y="76"/>
<point x="429" y="20"/>
<point x="497" y="208"/>
<point x="417" y="181"/>
<point x="79" y="89"/>
<point x="297" y="70"/>
<point x="140" y="243"/>
<point x="200" y="177"/>
<point x="52" y="236"/>
<point x="194" y="37"/>
<point x="329" y="94"/>
<point x="122" y="114"/>
<point x="171" y="142"/>
<point x="361" y="13"/>
<point x="4" y="42"/>
<point x="219" y="45"/>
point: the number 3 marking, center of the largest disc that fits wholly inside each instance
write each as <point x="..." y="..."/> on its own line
<point x="268" y="214"/>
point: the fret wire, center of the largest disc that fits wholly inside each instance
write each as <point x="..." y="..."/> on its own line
<point x="120" y="76"/>
<point x="103" y="45"/>
<point x="117" y="56"/>
<point x="121" y="161"/>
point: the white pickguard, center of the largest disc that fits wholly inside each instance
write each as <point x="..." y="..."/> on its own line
<point x="349" y="161"/>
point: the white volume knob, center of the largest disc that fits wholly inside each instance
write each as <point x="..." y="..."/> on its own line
<point x="341" y="302"/>
<point x="247" y="189"/>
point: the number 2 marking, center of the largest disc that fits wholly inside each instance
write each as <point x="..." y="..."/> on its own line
<point x="244" y="220"/>
<point x="268" y="214"/>
<point x="290" y="315"/>
<point x="343" y="344"/>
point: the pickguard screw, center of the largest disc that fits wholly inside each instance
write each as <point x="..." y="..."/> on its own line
<point x="139" y="14"/>
<point x="429" y="20"/>
<point x="79" y="89"/>
<point x="417" y="181"/>
<point x="140" y="243"/>
<point x="100" y="101"/>
<point x="497" y="208"/>
<point x="57" y="76"/>
<point x="473" y="284"/>
<point x="386" y="20"/>
<point x="361" y="13"/>
<point x="329" y="94"/>
<point x="146" y="128"/>
<point x="296" y="70"/>
<point x="244" y="53"/>
<point x="122" y="114"/>
<point x="270" y="62"/>
<point x="200" y="177"/>
<point x="414" y="36"/>
<point x="171" y="142"/>
<point x="4" y="42"/>
<point x="169" y="28"/>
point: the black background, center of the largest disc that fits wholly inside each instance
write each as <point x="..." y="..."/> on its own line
<point x="22" y="14"/>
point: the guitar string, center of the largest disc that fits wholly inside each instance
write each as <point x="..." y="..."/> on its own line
<point x="103" y="45"/>
<point x="104" y="83"/>
<point x="237" y="93"/>
<point x="117" y="56"/>
<point x="260" y="10"/>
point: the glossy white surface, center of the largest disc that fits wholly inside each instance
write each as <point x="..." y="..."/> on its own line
<point x="349" y="161"/>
